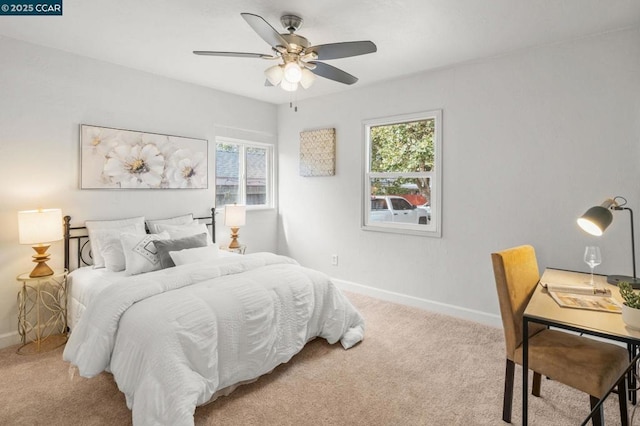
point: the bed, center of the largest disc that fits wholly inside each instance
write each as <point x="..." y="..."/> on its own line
<point x="176" y="337"/>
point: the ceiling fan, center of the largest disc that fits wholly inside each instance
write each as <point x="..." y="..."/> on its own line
<point x="299" y="64"/>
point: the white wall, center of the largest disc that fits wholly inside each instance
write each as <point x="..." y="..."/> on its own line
<point x="530" y="141"/>
<point x="46" y="94"/>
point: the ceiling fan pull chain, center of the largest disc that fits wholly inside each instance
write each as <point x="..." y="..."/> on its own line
<point x="293" y="100"/>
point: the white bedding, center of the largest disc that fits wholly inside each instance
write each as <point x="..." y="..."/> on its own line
<point x="83" y="284"/>
<point x="172" y="338"/>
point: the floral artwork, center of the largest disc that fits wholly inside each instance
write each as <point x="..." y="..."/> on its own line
<point x="115" y="158"/>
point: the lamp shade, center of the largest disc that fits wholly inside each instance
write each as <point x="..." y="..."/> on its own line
<point x="292" y="72"/>
<point x="595" y="220"/>
<point x="274" y="74"/>
<point x="287" y="86"/>
<point x="39" y="226"/>
<point x="307" y="78"/>
<point x="234" y="215"/>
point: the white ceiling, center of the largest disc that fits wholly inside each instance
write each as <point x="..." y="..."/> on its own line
<point x="158" y="36"/>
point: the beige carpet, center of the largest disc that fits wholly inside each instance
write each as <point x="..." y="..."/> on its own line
<point x="413" y="368"/>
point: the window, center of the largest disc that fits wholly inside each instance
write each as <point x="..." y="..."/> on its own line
<point x="244" y="173"/>
<point x="403" y="174"/>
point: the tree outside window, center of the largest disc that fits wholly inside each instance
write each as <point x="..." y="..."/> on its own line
<point x="402" y="167"/>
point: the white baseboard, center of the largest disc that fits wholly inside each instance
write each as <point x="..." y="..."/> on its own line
<point x="428" y="305"/>
<point x="9" y="339"/>
<point x="13" y="338"/>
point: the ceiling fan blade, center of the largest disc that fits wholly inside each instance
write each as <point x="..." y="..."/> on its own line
<point x="264" y="30"/>
<point x="233" y="54"/>
<point x="342" y="50"/>
<point x="333" y="73"/>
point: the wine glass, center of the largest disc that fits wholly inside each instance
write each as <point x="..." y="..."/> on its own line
<point x="592" y="258"/>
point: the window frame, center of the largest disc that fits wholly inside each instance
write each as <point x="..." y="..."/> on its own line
<point x="434" y="228"/>
<point x="243" y="144"/>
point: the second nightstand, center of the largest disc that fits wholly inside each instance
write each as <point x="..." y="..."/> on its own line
<point x="239" y="250"/>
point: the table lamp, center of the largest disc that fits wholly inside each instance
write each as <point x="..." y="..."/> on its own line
<point x="234" y="217"/>
<point x="597" y="219"/>
<point x="38" y="228"/>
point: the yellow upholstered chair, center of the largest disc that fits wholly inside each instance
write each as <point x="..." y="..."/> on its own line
<point x="585" y="364"/>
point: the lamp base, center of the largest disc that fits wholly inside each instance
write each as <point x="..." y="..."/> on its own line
<point x="41" y="269"/>
<point x="234" y="238"/>
<point x="616" y="279"/>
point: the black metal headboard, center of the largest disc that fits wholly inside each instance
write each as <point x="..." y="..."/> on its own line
<point x="80" y="236"/>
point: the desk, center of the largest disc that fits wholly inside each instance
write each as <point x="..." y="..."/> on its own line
<point x="542" y="309"/>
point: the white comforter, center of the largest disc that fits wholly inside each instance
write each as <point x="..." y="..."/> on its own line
<point x="172" y="340"/>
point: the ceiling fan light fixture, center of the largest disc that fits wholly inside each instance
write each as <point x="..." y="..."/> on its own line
<point x="292" y="72"/>
<point x="288" y="86"/>
<point x="274" y="74"/>
<point x="307" y="78"/>
<point x="299" y="66"/>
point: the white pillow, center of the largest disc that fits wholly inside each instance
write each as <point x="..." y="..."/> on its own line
<point x="101" y="230"/>
<point x="140" y="253"/>
<point x="111" y="247"/>
<point x="192" y="255"/>
<point x="178" y="220"/>
<point x="182" y="231"/>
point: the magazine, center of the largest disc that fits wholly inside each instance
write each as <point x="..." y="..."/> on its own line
<point x="578" y="289"/>
<point x="569" y="290"/>
<point x="587" y="301"/>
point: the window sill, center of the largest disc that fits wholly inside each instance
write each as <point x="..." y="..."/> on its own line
<point x="431" y="232"/>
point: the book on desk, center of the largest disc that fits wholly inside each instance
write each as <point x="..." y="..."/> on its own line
<point x="571" y="290"/>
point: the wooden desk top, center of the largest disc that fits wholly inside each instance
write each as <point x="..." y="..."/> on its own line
<point x="610" y="325"/>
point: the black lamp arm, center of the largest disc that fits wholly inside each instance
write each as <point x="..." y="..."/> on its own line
<point x="633" y="245"/>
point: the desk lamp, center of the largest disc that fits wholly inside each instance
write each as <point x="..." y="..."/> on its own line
<point x="38" y="228"/>
<point x="597" y="219"/>
<point x="234" y="217"/>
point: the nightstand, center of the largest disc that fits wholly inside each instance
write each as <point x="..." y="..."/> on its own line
<point x="42" y="312"/>
<point x="239" y="250"/>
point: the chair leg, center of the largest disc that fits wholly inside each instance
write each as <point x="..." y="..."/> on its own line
<point x="622" y="400"/>
<point x="508" y="391"/>
<point x="598" y="418"/>
<point x="537" y="380"/>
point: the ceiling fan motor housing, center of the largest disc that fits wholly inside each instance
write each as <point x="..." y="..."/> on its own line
<point x="296" y="43"/>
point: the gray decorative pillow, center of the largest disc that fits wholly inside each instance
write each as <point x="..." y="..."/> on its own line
<point x="165" y="246"/>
